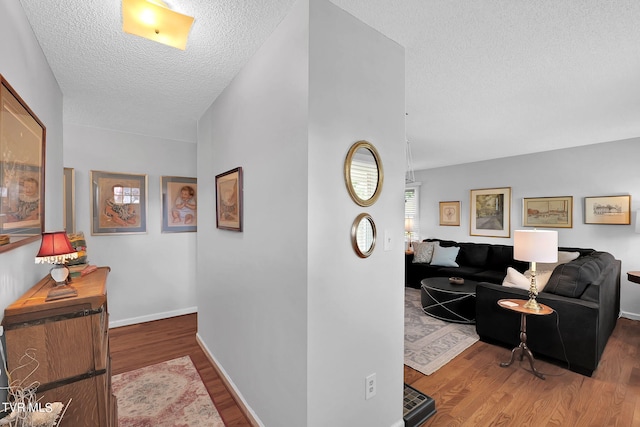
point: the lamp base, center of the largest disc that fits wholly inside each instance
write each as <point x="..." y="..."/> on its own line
<point x="532" y="304"/>
<point x="61" y="292"/>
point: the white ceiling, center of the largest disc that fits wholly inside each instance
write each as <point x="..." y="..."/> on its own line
<point x="485" y="78"/>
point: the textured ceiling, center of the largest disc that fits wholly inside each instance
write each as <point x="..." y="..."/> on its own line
<point x="485" y="78"/>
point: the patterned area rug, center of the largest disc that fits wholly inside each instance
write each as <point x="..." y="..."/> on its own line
<point x="430" y="343"/>
<point x="168" y="394"/>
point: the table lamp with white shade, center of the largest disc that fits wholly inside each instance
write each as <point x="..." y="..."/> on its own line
<point x="535" y="246"/>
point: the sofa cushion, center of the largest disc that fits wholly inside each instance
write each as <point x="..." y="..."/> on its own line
<point x="473" y="254"/>
<point x="445" y="257"/>
<point x="423" y="252"/>
<point x="499" y="257"/>
<point x="563" y="258"/>
<point x="572" y="278"/>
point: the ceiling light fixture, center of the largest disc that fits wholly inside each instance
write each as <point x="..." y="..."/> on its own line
<point x="153" y="20"/>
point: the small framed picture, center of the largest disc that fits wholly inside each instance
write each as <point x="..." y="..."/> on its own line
<point x="548" y="212"/>
<point x="449" y="213"/>
<point x="118" y="203"/>
<point x="490" y="212"/>
<point x="229" y="200"/>
<point x="179" y="204"/>
<point x="607" y="210"/>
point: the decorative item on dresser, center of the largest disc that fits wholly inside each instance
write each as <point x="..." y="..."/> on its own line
<point x="56" y="249"/>
<point x="69" y="339"/>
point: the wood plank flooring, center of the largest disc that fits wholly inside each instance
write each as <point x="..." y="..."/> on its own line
<point x="471" y="390"/>
<point x="144" y="344"/>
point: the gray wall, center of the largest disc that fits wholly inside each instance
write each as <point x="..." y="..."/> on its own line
<point x="285" y="307"/>
<point x="594" y="170"/>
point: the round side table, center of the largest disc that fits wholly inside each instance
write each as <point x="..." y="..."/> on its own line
<point x="517" y="305"/>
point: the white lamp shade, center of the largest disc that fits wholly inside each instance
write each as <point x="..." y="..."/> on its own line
<point x="535" y="245"/>
<point x="408" y="225"/>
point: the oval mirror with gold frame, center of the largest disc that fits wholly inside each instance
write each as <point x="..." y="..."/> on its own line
<point x="363" y="173"/>
<point x="363" y="235"/>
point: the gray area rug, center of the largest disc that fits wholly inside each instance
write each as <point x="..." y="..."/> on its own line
<point x="430" y="343"/>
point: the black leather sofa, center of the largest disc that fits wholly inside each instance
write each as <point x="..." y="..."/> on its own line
<point x="584" y="294"/>
<point x="482" y="262"/>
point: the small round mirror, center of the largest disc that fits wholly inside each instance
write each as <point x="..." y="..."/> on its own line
<point x="363" y="235"/>
<point x="363" y="173"/>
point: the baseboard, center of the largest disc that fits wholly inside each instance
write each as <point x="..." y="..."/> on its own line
<point x="152" y="317"/>
<point x="632" y="316"/>
<point x="399" y="423"/>
<point x="235" y="394"/>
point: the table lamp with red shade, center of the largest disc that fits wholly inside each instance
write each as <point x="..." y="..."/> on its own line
<point x="56" y="249"/>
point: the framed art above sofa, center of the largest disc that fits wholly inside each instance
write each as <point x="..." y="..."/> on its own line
<point x="607" y="210"/>
<point x="449" y="213"/>
<point x="490" y="212"/>
<point x="549" y="212"/>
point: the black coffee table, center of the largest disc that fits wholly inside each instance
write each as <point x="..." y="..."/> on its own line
<point x="446" y="301"/>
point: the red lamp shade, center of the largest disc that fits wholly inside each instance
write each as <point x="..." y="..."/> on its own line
<point x="55" y="248"/>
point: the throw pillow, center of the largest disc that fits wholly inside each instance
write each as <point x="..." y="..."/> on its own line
<point x="423" y="252"/>
<point x="563" y="258"/>
<point x="515" y="279"/>
<point x="445" y="257"/>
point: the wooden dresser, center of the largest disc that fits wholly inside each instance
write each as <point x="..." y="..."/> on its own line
<point x="70" y="340"/>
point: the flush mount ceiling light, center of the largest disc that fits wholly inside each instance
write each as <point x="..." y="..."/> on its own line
<point x="153" y="20"/>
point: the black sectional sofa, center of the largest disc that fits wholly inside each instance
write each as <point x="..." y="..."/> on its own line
<point x="584" y="293"/>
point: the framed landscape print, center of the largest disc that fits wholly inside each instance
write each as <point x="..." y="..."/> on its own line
<point x="229" y="200"/>
<point x="607" y="210"/>
<point x="449" y="213"/>
<point x="179" y="204"/>
<point x="548" y="212"/>
<point x="118" y="203"/>
<point x="490" y="212"/>
<point x="22" y="160"/>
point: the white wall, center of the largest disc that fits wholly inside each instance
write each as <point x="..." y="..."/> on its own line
<point x="252" y="292"/>
<point x="594" y="170"/>
<point x="285" y="307"/>
<point x="356" y="306"/>
<point x="153" y="275"/>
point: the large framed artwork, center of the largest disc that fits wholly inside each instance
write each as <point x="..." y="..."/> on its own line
<point x="22" y="159"/>
<point x="548" y="212"/>
<point x="607" y="210"/>
<point x="490" y="212"/>
<point x="118" y="203"/>
<point x="179" y="204"/>
<point x="229" y="200"/>
<point x="449" y="213"/>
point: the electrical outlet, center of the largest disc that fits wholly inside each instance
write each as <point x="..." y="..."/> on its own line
<point x="371" y="386"/>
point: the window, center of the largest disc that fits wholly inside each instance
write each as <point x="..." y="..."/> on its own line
<point x="412" y="213"/>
